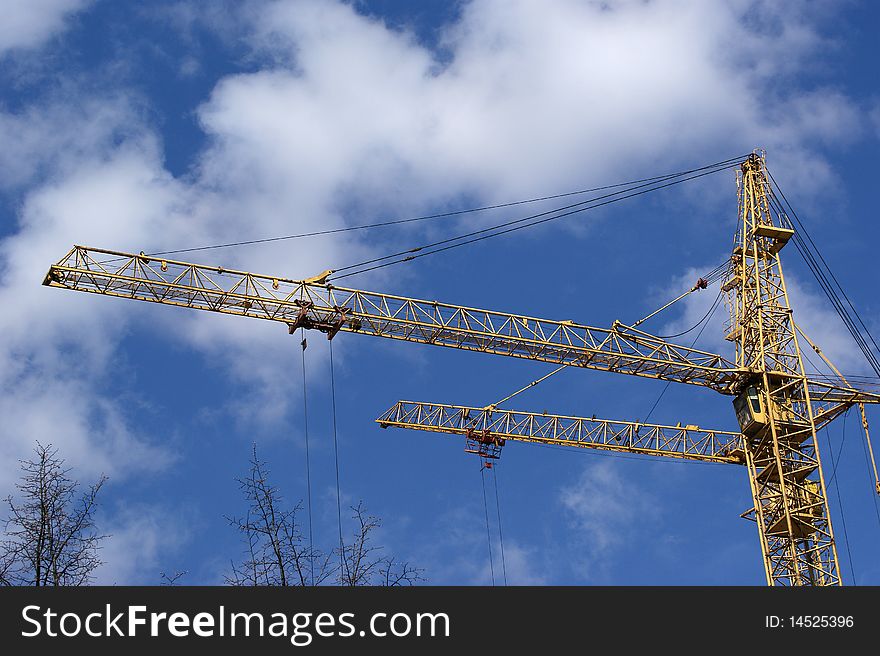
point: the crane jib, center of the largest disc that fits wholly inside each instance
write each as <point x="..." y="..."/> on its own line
<point x="332" y="309"/>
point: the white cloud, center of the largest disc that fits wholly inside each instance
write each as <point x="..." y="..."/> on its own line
<point x="823" y="115"/>
<point x="51" y="139"/>
<point x="142" y="542"/>
<point x="812" y="312"/>
<point x="691" y="310"/>
<point x="457" y="552"/>
<point x="874" y="115"/>
<point x="30" y="23"/>
<point x="530" y="100"/>
<point x="93" y="434"/>
<point x="57" y="352"/>
<point x="817" y="318"/>
<point x="350" y="113"/>
<point x="607" y="510"/>
<point x="521" y="564"/>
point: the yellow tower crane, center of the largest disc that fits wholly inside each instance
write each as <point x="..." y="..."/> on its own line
<point x="779" y="408"/>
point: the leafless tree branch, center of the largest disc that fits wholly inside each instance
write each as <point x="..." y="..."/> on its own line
<point x="276" y="553"/>
<point x="363" y="563"/>
<point x="171" y="579"/>
<point x="51" y="538"/>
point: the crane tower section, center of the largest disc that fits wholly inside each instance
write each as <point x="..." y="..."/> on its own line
<point x="773" y="405"/>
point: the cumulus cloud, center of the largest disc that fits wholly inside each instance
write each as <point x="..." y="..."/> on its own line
<point x="47" y="141"/>
<point x="30" y="23"/>
<point x="607" y="510"/>
<point x="56" y="352"/>
<point x="874" y="115"/>
<point x="816" y="317"/>
<point x="458" y="553"/>
<point x="141" y="541"/>
<point x="692" y="309"/>
<point x="528" y="99"/>
<point x="520" y="563"/>
<point x="812" y="312"/>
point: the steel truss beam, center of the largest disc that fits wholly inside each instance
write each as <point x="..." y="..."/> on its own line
<point x="492" y="425"/>
<point x="331" y="309"/>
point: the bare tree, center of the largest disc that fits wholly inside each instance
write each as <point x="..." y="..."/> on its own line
<point x="362" y="563"/>
<point x="276" y="553"/>
<point x="7" y="566"/>
<point x="171" y="579"/>
<point x="51" y="538"/>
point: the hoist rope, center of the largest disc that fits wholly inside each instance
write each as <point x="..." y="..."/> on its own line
<point x="308" y="461"/>
<point x="871" y="482"/>
<point x="625" y="456"/>
<point x="518" y="224"/>
<point x="815" y="373"/>
<point x="835" y="376"/>
<point x="668" y="305"/>
<point x="712" y="276"/>
<point x="709" y="312"/>
<point x="428" y="217"/>
<point x="707" y="319"/>
<point x="488" y="532"/>
<point x="810" y="252"/>
<point x="529" y="386"/>
<point x="843" y="379"/>
<point x="840" y="505"/>
<point x="343" y="564"/>
<point x="836" y="461"/>
<point x="500" y="532"/>
<point x="579" y="204"/>
<point x="657" y="401"/>
<point x="704" y="281"/>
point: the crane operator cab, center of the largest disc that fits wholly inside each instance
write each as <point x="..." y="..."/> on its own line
<point x="754" y="415"/>
<point x="750" y="411"/>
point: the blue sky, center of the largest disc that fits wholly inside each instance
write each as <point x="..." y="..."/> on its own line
<point x="175" y="124"/>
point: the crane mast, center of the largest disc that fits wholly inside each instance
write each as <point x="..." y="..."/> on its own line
<point x="782" y="452"/>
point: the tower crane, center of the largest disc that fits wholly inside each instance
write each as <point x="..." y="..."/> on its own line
<point x="778" y="406"/>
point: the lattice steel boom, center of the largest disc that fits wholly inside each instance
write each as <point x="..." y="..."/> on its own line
<point x="491" y="427"/>
<point x="315" y="304"/>
<point x="321" y="306"/>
